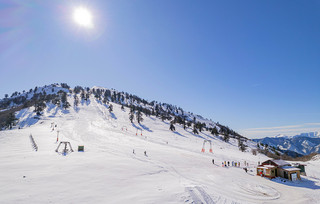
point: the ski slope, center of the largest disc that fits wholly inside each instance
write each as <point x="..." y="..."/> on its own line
<point x="173" y="170"/>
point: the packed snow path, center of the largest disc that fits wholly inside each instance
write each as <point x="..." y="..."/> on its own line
<point x="172" y="171"/>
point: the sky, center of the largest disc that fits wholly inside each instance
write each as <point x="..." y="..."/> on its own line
<point x="251" y="65"/>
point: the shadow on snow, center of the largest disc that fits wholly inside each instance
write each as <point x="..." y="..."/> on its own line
<point x="303" y="183"/>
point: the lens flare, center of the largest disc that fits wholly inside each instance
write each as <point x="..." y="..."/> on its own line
<point x="82" y="16"/>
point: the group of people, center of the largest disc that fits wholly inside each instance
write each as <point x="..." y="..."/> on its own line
<point x="233" y="163"/>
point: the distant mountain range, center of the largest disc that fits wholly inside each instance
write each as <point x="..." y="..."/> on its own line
<point x="303" y="144"/>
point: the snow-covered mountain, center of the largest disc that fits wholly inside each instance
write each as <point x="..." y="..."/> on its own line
<point x="125" y="161"/>
<point x="304" y="143"/>
<point x="56" y="94"/>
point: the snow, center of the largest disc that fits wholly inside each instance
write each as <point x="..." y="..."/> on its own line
<point x="290" y="168"/>
<point x="174" y="170"/>
<point x="269" y="166"/>
<point x="281" y="162"/>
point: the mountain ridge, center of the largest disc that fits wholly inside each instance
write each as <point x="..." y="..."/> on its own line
<point x="57" y="95"/>
<point x="303" y="144"/>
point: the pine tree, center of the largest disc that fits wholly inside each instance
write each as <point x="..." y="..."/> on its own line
<point x="184" y="120"/>
<point x="87" y="96"/>
<point x="110" y="108"/>
<point x="139" y="116"/>
<point x="172" y="128"/>
<point x="163" y="117"/>
<point x="11" y="121"/>
<point x="76" y="100"/>
<point x="131" y="115"/>
<point x="226" y="137"/>
<point x="214" y="131"/>
<point x="195" y="131"/>
<point x="184" y="125"/>
<point x="200" y="126"/>
<point x="39" y="106"/>
<point x="242" y="147"/>
<point x="65" y="103"/>
<point x="82" y="95"/>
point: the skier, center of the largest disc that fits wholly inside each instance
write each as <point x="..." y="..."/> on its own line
<point x="246" y="170"/>
<point x="228" y="163"/>
<point x="145" y="153"/>
<point x="232" y="163"/>
<point x="212" y="161"/>
<point x="133" y="151"/>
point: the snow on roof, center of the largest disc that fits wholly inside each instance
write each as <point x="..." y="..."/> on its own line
<point x="266" y="167"/>
<point x="280" y="162"/>
<point x="290" y="168"/>
<point x="269" y="166"/>
<point x="298" y="164"/>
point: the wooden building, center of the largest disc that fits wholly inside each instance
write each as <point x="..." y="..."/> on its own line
<point x="268" y="171"/>
<point x="275" y="168"/>
<point x="301" y="167"/>
<point x="290" y="172"/>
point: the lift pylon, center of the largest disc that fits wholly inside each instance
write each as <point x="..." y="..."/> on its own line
<point x="64" y="150"/>
<point x="138" y="131"/>
<point x="203" y="146"/>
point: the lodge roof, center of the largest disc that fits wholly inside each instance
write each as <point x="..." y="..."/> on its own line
<point x="280" y="162"/>
<point x="290" y="168"/>
<point x="269" y="166"/>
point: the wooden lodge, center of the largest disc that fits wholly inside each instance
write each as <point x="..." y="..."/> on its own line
<point x="278" y="168"/>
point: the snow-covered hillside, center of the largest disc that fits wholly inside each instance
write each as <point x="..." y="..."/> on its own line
<point x="114" y="169"/>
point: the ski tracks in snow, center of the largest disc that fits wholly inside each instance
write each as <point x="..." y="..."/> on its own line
<point x="197" y="195"/>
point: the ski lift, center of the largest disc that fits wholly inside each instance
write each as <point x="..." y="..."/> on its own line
<point x="203" y="146"/>
<point x="65" y="150"/>
<point x="138" y="131"/>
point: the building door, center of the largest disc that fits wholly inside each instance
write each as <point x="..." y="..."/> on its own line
<point x="294" y="177"/>
<point x="285" y="174"/>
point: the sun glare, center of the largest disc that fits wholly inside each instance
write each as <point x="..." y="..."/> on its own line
<point x="82" y="16"/>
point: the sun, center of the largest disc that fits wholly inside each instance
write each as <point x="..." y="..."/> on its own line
<point x="82" y="16"/>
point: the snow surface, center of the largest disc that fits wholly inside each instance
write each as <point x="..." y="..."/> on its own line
<point x="174" y="170"/>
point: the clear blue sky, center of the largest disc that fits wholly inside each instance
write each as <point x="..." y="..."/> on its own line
<point x="247" y="64"/>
